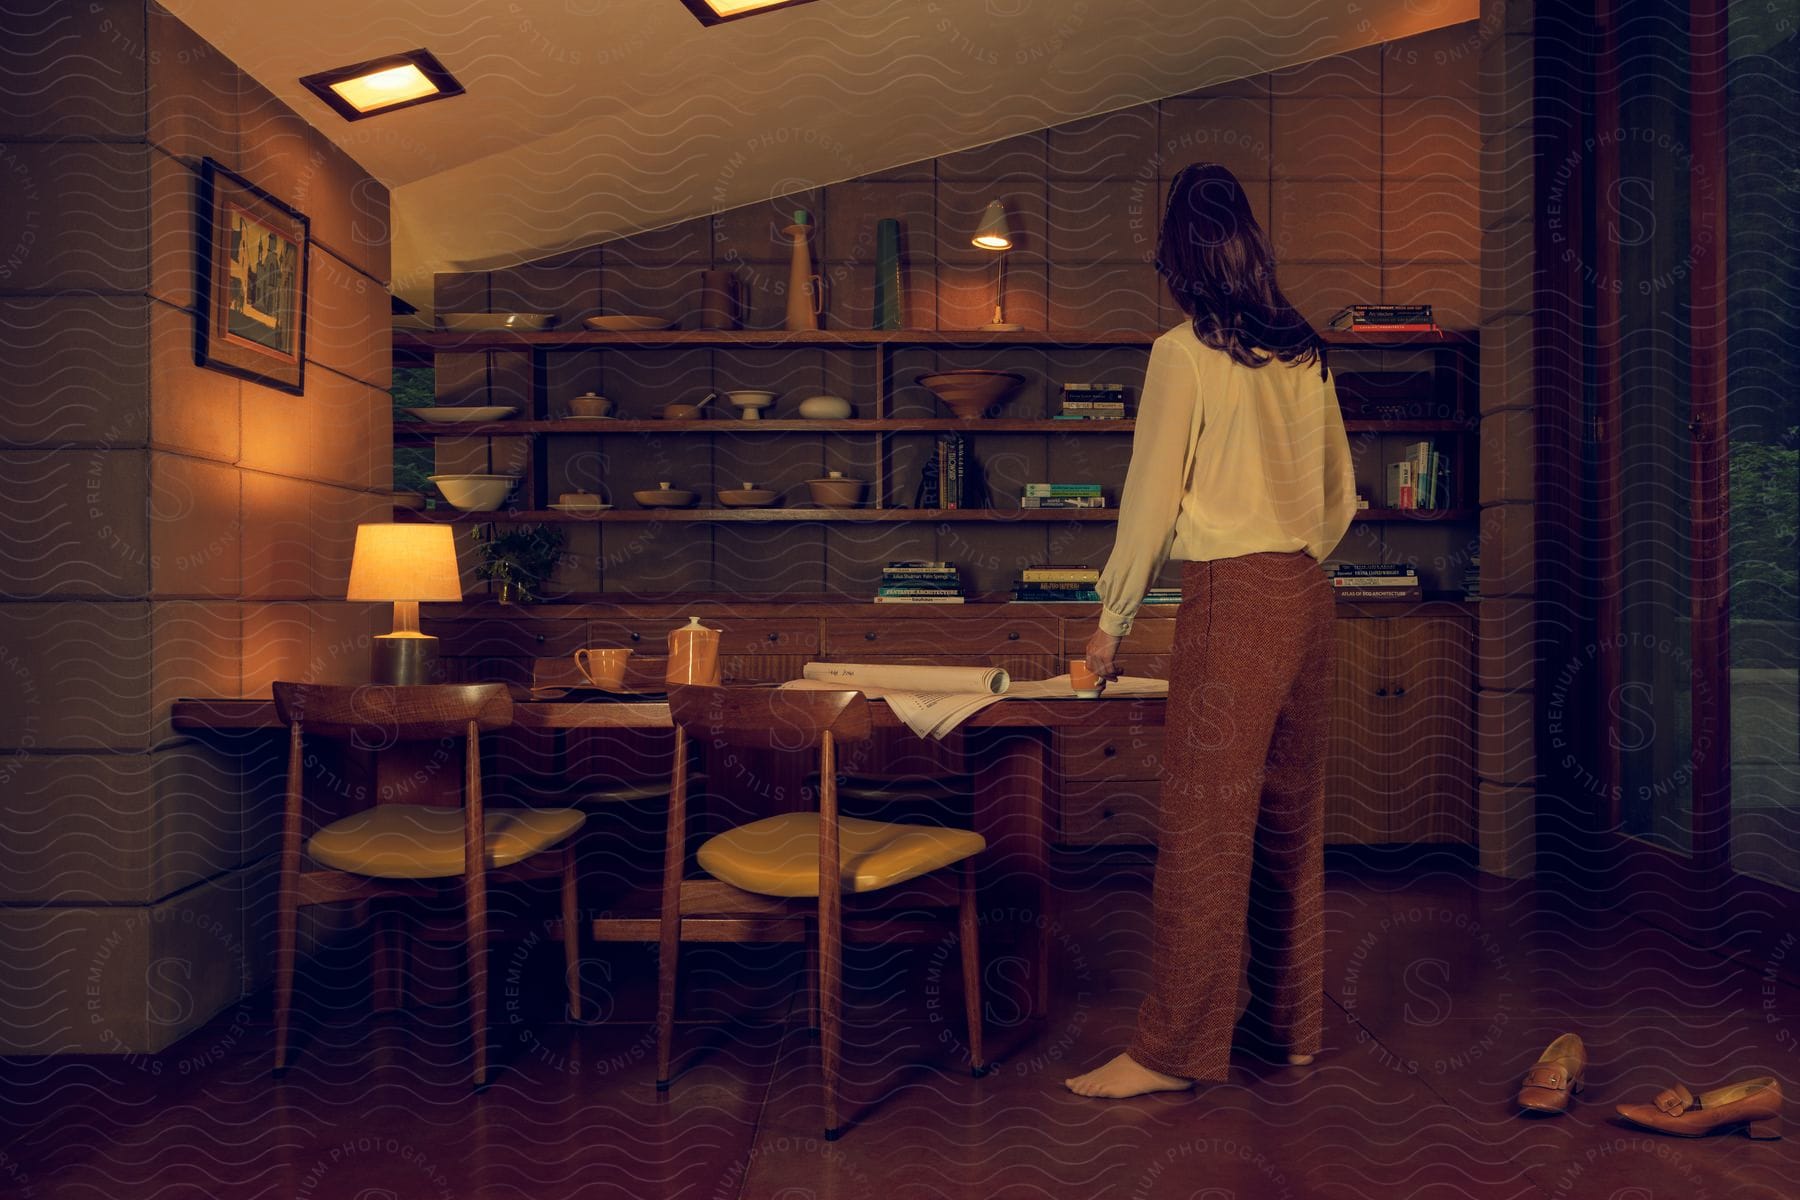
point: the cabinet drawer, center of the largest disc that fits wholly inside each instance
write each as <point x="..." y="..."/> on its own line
<point x="650" y="635"/>
<point x="848" y="639"/>
<point x="494" y="637"/>
<point x="1114" y="754"/>
<point x="1109" y="812"/>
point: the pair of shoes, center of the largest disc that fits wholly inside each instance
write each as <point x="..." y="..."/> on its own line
<point x="1753" y="1105"/>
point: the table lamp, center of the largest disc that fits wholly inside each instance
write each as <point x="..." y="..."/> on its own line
<point x="406" y="564"/>
<point x="995" y="233"/>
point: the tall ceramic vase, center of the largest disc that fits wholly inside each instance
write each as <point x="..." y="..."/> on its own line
<point x="888" y="311"/>
<point x="805" y="298"/>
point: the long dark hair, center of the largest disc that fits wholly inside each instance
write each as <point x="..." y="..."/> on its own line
<point x="1220" y="270"/>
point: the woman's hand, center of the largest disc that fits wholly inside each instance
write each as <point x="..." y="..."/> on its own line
<point x="1100" y="651"/>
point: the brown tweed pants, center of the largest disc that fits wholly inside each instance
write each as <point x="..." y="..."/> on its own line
<point x="1243" y="795"/>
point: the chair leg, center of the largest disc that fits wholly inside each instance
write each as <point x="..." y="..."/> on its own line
<point x="286" y="931"/>
<point x="571" y="926"/>
<point x="475" y="927"/>
<point x="969" y="936"/>
<point x="668" y="951"/>
<point x="831" y="972"/>
<point x="812" y="978"/>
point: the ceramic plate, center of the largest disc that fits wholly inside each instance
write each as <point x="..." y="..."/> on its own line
<point x="626" y="324"/>
<point x="495" y="322"/>
<point x="462" y="416"/>
<point x="579" y="508"/>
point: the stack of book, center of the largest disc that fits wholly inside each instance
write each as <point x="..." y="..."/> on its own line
<point x="1062" y="495"/>
<point x="1158" y="595"/>
<point x="1375" y="581"/>
<point x="1420" y="479"/>
<point x="1056" y="582"/>
<point x="920" y="582"/>
<point x="951" y="472"/>
<point x="1092" y="402"/>
<point x="1472" y="578"/>
<point x="1385" y="318"/>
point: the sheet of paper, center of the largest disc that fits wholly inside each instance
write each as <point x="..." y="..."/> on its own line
<point x="936" y="714"/>
<point x="1125" y="687"/>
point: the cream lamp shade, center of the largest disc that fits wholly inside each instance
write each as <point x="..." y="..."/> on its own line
<point x="994" y="233"/>
<point x="405" y="562"/>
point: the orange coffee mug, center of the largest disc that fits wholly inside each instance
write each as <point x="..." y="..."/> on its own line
<point x="694" y="655"/>
<point x="1086" y="684"/>
<point x="603" y="668"/>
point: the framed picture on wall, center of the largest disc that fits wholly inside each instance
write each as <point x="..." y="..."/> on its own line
<point x="251" y="267"/>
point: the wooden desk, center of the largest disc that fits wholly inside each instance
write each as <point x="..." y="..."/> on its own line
<point x="1008" y="743"/>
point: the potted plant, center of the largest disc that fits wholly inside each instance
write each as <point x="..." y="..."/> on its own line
<point x="520" y="560"/>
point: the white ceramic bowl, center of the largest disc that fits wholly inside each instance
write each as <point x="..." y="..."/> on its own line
<point x="825" y="408"/>
<point x="497" y="322"/>
<point x="474" y="493"/>
<point x="751" y="403"/>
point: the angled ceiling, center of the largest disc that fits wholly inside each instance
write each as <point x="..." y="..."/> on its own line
<point x="591" y="119"/>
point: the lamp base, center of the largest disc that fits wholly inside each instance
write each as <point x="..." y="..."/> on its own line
<point x="1002" y="327"/>
<point x="405" y="659"/>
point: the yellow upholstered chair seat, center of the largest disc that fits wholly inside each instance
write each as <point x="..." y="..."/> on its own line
<point x="779" y="856"/>
<point x="409" y="841"/>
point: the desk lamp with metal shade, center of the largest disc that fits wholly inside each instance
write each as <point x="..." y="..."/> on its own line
<point x="407" y="564"/>
<point x="995" y="233"/>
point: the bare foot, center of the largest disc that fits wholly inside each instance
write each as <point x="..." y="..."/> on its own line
<point x="1123" y="1077"/>
<point x="1300" y="1060"/>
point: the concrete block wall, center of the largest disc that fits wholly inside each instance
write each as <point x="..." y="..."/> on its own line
<point x="170" y="531"/>
<point x="1506" y="757"/>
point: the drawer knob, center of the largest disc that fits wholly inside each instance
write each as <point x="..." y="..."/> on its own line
<point x="1012" y="635"/>
<point x="1381" y="691"/>
<point x="869" y="636"/>
<point x="1108" y="751"/>
<point x="774" y="637"/>
<point x="540" y="639"/>
<point x="637" y="637"/>
<point x="1399" y="691"/>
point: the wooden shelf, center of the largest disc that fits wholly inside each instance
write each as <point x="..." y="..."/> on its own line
<point x="750" y="516"/>
<point x="423" y="431"/>
<point x="421" y="341"/>
<point x="1416" y="514"/>
<point x="858" y="515"/>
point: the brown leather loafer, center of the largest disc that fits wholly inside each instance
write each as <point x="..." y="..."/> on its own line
<point x="1556" y="1073"/>
<point x="1753" y="1106"/>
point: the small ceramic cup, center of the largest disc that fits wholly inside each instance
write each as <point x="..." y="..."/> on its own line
<point x="1086" y="684"/>
<point x="603" y="668"/>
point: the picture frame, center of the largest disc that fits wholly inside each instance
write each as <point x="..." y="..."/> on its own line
<point x="251" y="282"/>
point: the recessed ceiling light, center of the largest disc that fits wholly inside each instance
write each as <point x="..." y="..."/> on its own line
<point x="712" y="12"/>
<point x="383" y="84"/>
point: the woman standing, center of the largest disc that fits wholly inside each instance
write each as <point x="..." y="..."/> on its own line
<point x="1239" y="468"/>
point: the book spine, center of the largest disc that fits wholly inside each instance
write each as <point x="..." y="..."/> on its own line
<point x="920" y="564"/>
<point x="1045" y="575"/>
<point x="918" y="599"/>
<point x="1062" y="489"/>
<point x="1379" y="594"/>
<point x="900" y="591"/>
<point x="1062" y="502"/>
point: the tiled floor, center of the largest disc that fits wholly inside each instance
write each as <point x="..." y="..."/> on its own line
<point x="1443" y="987"/>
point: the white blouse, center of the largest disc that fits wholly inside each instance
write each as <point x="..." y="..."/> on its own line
<point x="1226" y="460"/>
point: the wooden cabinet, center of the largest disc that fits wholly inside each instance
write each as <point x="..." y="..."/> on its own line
<point x="1399" y="763"/>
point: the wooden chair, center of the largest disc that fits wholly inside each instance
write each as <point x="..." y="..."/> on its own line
<point x="415" y="850"/>
<point x="800" y="866"/>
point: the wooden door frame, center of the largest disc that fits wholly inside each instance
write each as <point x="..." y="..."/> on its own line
<point x="1697" y="895"/>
